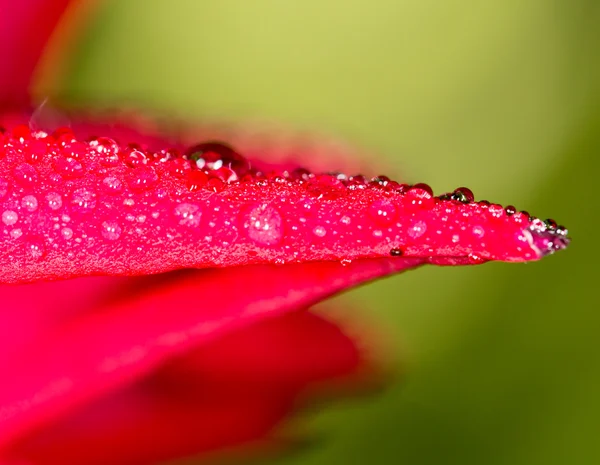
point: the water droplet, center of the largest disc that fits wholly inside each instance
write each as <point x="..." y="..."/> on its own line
<point x="36" y="151"/>
<point x="383" y="212"/>
<point x="3" y="188"/>
<point x="215" y="155"/>
<point x="455" y="238"/>
<point x="478" y="231"/>
<point x="83" y="200"/>
<point x="108" y="150"/>
<point x="263" y="224"/>
<point x="319" y="231"/>
<point x="142" y="178"/>
<point x="510" y="210"/>
<point x="16" y="233"/>
<point x="111" y="230"/>
<point x="29" y="203"/>
<point x="463" y="195"/>
<point x="396" y="252"/>
<point x="188" y="214"/>
<point x="496" y="210"/>
<point x="25" y="175"/>
<point x="68" y="167"/>
<point x="54" y="200"/>
<point x="345" y="220"/>
<point x="66" y="233"/>
<point x="475" y="259"/>
<point x="133" y="157"/>
<point x="196" y="180"/>
<point x="427" y="191"/>
<point x="378" y="233"/>
<point x="35" y="248"/>
<point x="417" y="230"/>
<point x="9" y="217"/>
<point x="112" y="185"/>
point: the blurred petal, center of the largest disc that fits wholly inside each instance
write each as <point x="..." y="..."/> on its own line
<point x="25" y="27"/>
<point x="122" y="341"/>
<point x="192" y="405"/>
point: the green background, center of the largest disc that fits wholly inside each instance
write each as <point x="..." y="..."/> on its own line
<point x="501" y="361"/>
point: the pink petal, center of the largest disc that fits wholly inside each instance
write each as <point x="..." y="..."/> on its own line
<point x="122" y="341"/>
<point x="230" y="391"/>
<point x="73" y="207"/>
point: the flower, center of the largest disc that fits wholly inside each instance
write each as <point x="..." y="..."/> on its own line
<point x="183" y="361"/>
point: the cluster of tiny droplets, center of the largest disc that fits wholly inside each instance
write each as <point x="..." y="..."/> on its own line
<point x="210" y="167"/>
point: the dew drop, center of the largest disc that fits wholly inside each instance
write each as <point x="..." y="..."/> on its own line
<point x="383" y="212"/>
<point x="478" y="231"/>
<point x="111" y="230"/>
<point x="142" y="178"/>
<point x="319" y="231"/>
<point x="417" y="230"/>
<point x="29" y="203"/>
<point x="455" y="238"/>
<point x="66" y="233"/>
<point x="9" y="217"/>
<point x="36" y="151"/>
<point x="475" y="259"/>
<point x="112" y="185"/>
<point x="108" y="150"/>
<point x="188" y="214"/>
<point x="3" y="188"/>
<point x="196" y="180"/>
<point x="35" y="249"/>
<point x="463" y="195"/>
<point x="68" y="167"/>
<point x="396" y="252"/>
<point x="134" y="157"/>
<point x="510" y="210"/>
<point x="16" y="233"/>
<point x="54" y="200"/>
<point x="84" y="200"/>
<point x="25" y="175"/>
<point x="345" y="220"/>
<point x="263" y="224"/>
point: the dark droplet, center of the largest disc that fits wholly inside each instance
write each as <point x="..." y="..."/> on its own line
<point x="463" y="195"/>
<point x="396" y="252"/>
<point x="215" y="155"/>
<point x="510" y="210"/>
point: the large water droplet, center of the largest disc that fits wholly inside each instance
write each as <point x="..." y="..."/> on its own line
<point x="188" y="214"/>
<point x="263" y="224"/>
<point x="383" y="212"/>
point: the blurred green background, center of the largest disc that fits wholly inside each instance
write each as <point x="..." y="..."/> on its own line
<point x="501" y="362"/>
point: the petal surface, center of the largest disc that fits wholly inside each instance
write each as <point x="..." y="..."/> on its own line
<point x="73" y="206"/>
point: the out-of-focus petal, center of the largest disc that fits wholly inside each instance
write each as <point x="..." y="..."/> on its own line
<point x="123" y="341"/>
<point x="25" y="27"/>
<point x="193" y="405"/>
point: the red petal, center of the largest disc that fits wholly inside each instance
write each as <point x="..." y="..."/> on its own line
<point x="124" y="340"/>
<point x="230" y="391"/>
<point x="25" y="27"/>
<point x="72" y="207"/>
